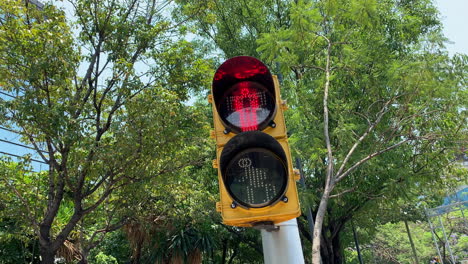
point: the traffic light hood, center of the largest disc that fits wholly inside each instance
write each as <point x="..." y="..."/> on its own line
<point x="238" y="69"/>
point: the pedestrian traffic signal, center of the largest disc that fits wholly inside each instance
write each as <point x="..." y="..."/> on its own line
<point x="256" y="180"/>
<point x="254" y="169"/>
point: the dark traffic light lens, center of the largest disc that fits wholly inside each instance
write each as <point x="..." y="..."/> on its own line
<point x="256" y="178"/>
<point x="247" y="106"/>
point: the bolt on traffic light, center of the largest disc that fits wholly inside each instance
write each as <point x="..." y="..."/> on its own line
<point x="257" y="183"/>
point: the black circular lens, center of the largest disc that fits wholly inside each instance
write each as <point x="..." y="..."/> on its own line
<point x="256" y="178"/>
<point x="247" y="106"/>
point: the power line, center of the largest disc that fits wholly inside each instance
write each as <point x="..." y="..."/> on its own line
<point x="21" y="145"/>
<point x="18" y="144"/>
<point x="10" y="130"/>
<point x="17" y="156"/>
<point x="14" y="131"/>
<point x="12" y="96"/>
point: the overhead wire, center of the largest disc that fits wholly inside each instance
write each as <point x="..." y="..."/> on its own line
<point x="17" y="156"/>
<point x="10" y="130"/>
<point x="7" y="94"/>
<point x="17" y="144"/>
<point x="22" y="145"/>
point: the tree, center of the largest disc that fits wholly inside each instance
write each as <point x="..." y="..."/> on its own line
<point x="119" y="121"/>
<point x="390" y="244"/>
<point x="399" y="97"/>
<point x="17" y="241"/>
<point x="376" y="102"/>
<point x="176" y="221"/>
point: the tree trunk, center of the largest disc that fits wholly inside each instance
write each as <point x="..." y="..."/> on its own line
<point x="325" y="254"/>
<point x="84" y="257"/>
<point x="83" y="260"/>
<point x="137" y="253"/>
<point x="47" y="256"/>
<point x="223" y="259"/>
<point x="337" y="249"/>
<point x="329" y="180"/>
<point x="331" y="250"/>
<point x="318" y="226"/>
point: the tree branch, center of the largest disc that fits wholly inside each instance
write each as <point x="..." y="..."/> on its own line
<point x="326" y="117"/>
<point x="362" y="161"/>
<point x="343" y="192"/>
<point x="381" y="113"/>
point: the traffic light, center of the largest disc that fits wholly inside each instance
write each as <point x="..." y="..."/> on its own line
<point x="257" y="183"/>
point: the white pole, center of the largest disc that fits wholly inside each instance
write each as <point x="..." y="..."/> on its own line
<point x="282" y="246"/>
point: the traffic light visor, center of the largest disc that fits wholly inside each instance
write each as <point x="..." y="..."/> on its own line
<point x="244" y="95"/>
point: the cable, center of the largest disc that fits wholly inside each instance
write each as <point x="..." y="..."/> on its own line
<point x="14" y="155"/>
<point x="12" y="96"/>
<point x="14" y="131"/>
<point x="21" y="145"/>
<point x="10" y="130"/>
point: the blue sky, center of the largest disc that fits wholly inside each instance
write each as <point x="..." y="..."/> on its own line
<point x="453" y="16"/>
<point x="455" y="19"/>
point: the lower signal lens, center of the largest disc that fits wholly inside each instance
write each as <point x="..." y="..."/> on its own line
<point x="256" y="178"/>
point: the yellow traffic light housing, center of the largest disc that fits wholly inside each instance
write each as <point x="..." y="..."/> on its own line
<point x="257" y="183"/>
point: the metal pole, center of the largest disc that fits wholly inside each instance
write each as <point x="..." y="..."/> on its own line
<point x="310" y="218"/>
<point x="461" y="209"/>
<point x="411" y="242"/>
<point x="433" y="234"/>
<point x="282" y="246"/>
<point x="447" y="243"/>
<point x="463" y="215"/>
<point x="356" y="242"/>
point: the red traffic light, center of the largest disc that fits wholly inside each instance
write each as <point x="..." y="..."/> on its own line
<point x="244" y="94"/>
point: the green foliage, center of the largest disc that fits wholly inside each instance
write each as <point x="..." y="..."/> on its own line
<point x="105" y="97"/>
<point x="17" y="242"/>
<point x="114" y="246"/>
<point x="390" y="242"/>
<point x="101" y="258"/>
<point x="375" y="58"/>
<point x="233" y="26"/>
<point x="389" y="75"/>
<point x="118" y="125"/>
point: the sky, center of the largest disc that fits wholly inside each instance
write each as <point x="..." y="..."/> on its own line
<point x="455" y="20"/>
<point x="453" y="17"/>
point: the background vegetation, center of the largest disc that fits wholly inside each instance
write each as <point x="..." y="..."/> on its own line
<point x="113" y="99"/>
